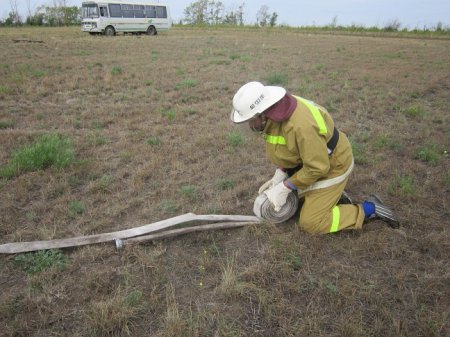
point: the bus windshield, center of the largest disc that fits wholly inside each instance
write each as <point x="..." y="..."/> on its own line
<point x="90" y="11"/>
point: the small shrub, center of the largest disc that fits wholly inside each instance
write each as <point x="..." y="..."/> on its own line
<point x="155" y="141"/>
<point x="403" y="185"/>
<point x="415" y="111"/>
<point x="169" y="206"/>
<point x="116" y="315"/>
<point x="381" y="141"/>
<point x="97" y="125"/>
<point x="32" y="263"/>
<point x="226" y="184"/>
<point x="320" y="66"/>
<point x="104" y="183"/>
<point x="100" y="140"/>
<point x="447" y="178"/>
<point x="180" y="72"/>
<point x="38" y="73"/>
<point x="188" y="191"/>
<point x="5" y="90"/>
<point x="430" y="153"/>
<point x="170" y="114"/>
<point x="359" y="154"/>
<point x="187" y="83"/>
<point x="7" y="124"/>
<point x="189" y="111"/>
<point x="294" y="261"/>
<point x="133" y="299"/>
<point x="116" y="70"/>
<point x="235" y="139"/>
<point x="277" y="79"/>
<point x="49" y="150"/>
<point x="76" y="208"/>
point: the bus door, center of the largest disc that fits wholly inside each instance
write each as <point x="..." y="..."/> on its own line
<point x="103" y="9"/>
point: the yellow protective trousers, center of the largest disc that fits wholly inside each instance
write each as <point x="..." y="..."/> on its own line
<point x="321" y="214"/>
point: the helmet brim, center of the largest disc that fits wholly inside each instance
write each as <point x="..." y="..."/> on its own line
<point x="272" y="95"/>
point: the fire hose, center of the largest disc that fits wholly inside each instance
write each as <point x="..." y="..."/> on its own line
<point x="263" y="209"/>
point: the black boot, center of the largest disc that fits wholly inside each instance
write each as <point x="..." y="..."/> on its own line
<point x="345" y="199"/>
<point x="382" y="212"/>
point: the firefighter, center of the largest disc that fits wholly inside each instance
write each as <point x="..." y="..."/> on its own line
<point x="312" y="157"/>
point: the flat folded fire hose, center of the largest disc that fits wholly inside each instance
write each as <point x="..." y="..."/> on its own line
<point x="120" y="237"/>
<point x="262" y="209"/>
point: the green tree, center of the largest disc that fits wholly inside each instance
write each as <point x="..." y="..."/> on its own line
<point x="211" y="12"/>
<point x="273" y="19"/>
<point x="262" y="16"/>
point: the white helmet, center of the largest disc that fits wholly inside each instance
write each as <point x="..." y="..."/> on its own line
<point x="253" y="99"/>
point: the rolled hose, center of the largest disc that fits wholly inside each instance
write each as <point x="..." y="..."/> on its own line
<point x="263" y="209"/>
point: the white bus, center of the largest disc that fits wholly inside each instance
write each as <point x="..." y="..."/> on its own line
<point x="110" y="17"/>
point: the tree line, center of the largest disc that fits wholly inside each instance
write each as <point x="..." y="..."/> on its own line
<point x="57" y="15"/>
<point x="211" y="12"/>
<point x="201" y="12"/>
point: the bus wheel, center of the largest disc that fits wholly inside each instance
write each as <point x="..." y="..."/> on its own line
<point x="151" y="30"/>
<point x="109" y="31"/>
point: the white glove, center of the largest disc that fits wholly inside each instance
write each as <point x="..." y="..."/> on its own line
<point x="278" y="177"/>
<point x="277" y="196"/>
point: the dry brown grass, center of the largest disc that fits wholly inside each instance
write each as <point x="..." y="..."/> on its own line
<point x="148" y="119"/>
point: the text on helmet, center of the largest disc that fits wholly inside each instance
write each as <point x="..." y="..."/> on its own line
<point x="259" y="100"/>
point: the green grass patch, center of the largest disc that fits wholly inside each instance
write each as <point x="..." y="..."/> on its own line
<point x="5" y="90"/>
<point x="187" y="83"/>
<point x="415" y="111"/>
<point x="189" y="111"/>
<point x="359" y="153"/>
<point x="33" y="263"/>
<point x="7" y="124"/>
<point x="104" y="183"/>
<point x="188" y="191"/>
<point x="235" y="139"/>
<point x="154" y="141"/>
<point x="169" y="114"/>
<point x="226" y="184"/>
<point x="281" y="79"/>
<point x="245" y="58"/>
<point x="431" y="154"/>
<point x="402" y="185"/>
<point x="116" y="70"/>
<point x="294" y="261"/>
<point x="49" y="150"/>
<point x="38" y="73"/>
<point x="447" y="178"/>
<point x="169" y="206"/>
<point x="76" y="207"/>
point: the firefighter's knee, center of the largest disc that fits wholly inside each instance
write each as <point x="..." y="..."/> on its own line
<point x="308" y="224"/>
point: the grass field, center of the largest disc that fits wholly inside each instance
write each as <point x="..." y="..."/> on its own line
<point x="101" y="134"/>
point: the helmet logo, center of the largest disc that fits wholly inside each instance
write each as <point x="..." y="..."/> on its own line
<point x="259" y="100"/>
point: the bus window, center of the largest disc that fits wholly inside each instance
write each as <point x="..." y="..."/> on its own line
<point x="161" y="12"/>
<point x="89" y="11"/>
<point x="104" y="11"/>
<point x="139" y="11"/>
<point x="127" y="11"/>
<point x="150" y="12"/>
<point x="115" y="11"/>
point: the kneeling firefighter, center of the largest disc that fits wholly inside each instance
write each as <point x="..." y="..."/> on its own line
<point x="313" y="158"/>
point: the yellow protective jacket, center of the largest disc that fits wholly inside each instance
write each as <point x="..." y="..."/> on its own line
<point x="302" y="140"/>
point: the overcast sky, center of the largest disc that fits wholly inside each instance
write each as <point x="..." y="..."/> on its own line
<point x="410" y="13"/>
